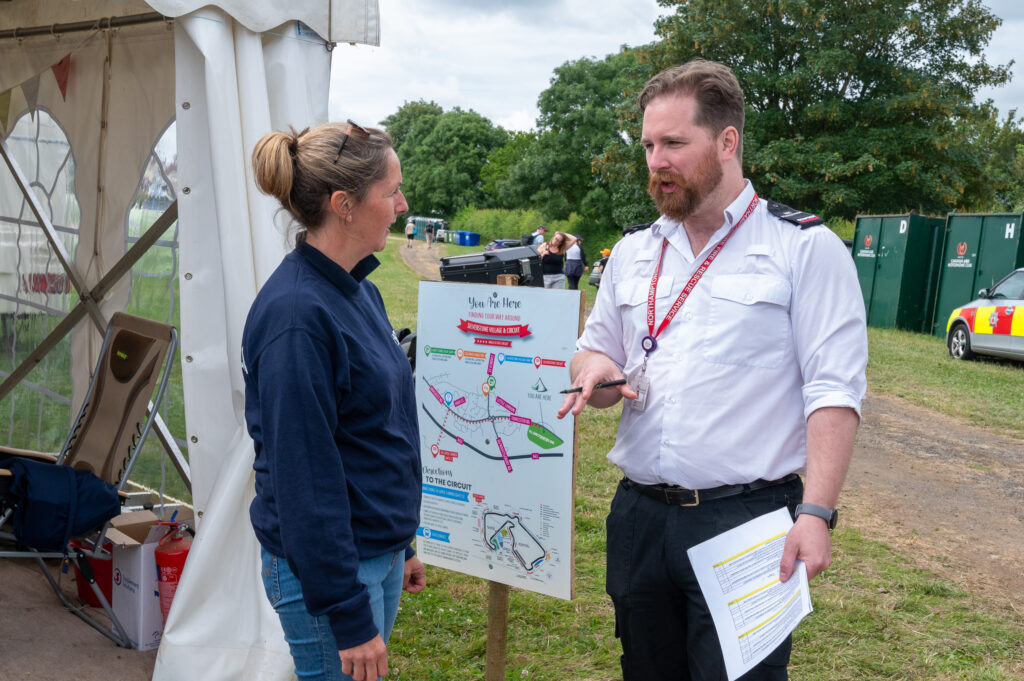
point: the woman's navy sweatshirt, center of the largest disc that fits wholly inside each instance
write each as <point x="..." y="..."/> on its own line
<point x="330" y="406"/>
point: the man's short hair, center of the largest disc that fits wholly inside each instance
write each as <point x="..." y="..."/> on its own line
<point x="718" y="94"/>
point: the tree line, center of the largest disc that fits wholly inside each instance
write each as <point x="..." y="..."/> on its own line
<point x="858" y="107"/>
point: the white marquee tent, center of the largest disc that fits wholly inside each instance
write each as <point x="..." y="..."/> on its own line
<point x="227" y="72"/>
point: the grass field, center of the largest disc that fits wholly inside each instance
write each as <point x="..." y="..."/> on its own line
<point x="874" y="617"/>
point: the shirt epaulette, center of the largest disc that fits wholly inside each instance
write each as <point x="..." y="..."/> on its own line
<point x="798" y="218"/>
<point x="636" y="228"/>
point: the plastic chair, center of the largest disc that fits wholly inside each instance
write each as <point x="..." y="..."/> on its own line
<point x="105" y="440"/>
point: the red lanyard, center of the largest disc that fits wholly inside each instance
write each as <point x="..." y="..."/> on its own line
<point x="650" y="342"/>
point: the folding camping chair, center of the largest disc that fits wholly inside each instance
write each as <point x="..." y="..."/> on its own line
<point x="105" y="440"/>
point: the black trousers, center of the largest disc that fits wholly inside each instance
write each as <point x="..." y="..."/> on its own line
<point x="574" y="280"/>
<point x="661" y="618"/>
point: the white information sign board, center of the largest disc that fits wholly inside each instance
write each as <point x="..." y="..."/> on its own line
<point x="498" y="468"/>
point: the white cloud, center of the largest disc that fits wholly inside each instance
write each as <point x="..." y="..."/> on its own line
<point x="1004" y="47"/>
<point x="496" y="57"/>
<point x="490" y="57"/>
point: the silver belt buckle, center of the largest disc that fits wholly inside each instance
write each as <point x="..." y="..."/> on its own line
<point x="696" y="496"/>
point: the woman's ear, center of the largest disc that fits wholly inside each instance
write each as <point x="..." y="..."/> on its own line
<point x="341" y="205"/>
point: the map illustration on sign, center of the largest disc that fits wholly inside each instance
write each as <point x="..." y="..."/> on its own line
<point x="500" y="529"/>
<point x="497" y="463"/>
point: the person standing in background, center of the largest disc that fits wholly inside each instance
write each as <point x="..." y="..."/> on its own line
<point x="410" y="233"/>
<point x="575" y="263"/>
<point x="538" y="235"/>
<point x="552" y="259"/>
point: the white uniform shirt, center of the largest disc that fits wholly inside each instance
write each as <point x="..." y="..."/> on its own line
<point x="774" y="330"/>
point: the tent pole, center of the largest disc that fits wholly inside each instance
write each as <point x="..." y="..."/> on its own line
<point x="91" y="305"/>
<point x="79" y="26"/>
<point x="101" y="157"/>
<point x="36" y="356"/>
<point x="96" y="294"/>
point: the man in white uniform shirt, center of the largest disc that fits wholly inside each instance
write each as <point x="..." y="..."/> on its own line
<point x="740" y="327"/>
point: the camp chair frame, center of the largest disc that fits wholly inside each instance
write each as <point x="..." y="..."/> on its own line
<point x="120" y="322"/>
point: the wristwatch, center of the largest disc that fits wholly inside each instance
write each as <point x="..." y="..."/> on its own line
<point x="829" y="515"/>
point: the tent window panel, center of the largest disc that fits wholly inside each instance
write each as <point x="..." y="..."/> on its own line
<point x="35" y="292"/>
<point x="154" y="295"/>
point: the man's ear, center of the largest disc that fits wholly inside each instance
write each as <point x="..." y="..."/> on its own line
<point x="728" y="143"/>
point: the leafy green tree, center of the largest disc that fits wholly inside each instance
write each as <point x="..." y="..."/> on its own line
<point x="577" y="123"/>
<point x="852" y="106"/>
<point x="1000" y="145"/>
<point x="400" y="123"/>
<point x="442" y="159"/>
<point x="500" y="163"/>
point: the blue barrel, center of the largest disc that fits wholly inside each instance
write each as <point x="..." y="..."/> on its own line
<point x="463" y="241"/>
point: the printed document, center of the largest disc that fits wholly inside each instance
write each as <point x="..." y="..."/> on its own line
<point x="738" y="572"/>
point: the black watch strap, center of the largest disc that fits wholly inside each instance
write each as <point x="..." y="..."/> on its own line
<point x="829" y="515"/>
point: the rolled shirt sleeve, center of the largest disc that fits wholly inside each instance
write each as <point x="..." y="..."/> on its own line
<point x="829" y="329"/>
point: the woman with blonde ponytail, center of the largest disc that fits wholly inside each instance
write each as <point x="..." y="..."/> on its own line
<point x="330" y="406"/>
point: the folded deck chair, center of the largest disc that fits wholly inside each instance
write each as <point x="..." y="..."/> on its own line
<point x="105" y="441"/>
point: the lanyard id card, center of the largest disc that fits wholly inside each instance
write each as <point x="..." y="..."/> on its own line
<point x="641" y="384"/>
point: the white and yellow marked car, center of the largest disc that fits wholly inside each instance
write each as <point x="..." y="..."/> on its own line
<point x="991" y="325"/>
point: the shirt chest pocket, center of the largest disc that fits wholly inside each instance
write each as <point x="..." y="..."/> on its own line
<point x="748" y="320"/>
<point x="633" y="303"/>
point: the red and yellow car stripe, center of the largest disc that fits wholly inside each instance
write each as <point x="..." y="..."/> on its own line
<point x="991" y="319"/>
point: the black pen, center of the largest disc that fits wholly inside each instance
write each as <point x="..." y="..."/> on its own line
<point x="606" y="384"/>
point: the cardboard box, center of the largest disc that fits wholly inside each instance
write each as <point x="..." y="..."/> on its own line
<point x="136" y="601"/>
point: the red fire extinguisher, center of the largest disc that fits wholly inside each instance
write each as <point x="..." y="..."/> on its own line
<point x="171" y="552"/>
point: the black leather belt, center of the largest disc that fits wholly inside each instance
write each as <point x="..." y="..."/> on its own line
<point x="674" y="495"/>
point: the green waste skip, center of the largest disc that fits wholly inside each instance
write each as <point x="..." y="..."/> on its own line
<point x="978" y="250"/>
<point x="897" y="265"/>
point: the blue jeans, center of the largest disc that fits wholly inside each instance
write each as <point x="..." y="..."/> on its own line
<point x="309" y="638"/>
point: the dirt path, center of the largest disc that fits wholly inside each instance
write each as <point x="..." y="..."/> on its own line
<point x="425" y="261"/>
<point x="947" y="494"/>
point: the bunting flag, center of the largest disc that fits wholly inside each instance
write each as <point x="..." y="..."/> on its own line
<point x="30" y="88"/>
<point x="5" y="109"/>
<point x="61" y="71"/>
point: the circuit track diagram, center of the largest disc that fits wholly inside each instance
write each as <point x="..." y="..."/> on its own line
<point x="497" y="462"/>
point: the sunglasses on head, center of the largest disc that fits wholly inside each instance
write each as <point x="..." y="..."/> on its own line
<point x="352" y="127"/>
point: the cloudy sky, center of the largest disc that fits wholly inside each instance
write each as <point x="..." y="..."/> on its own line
<point x="496" y="56"/>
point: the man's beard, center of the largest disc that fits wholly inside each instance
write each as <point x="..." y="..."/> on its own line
<point x="689" y="192"/>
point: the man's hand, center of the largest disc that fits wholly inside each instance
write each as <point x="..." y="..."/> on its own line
<point x="366" y="662"/>
<point x="415" y="577"/>
<point x="830" y="434"/>
<point x="808" y="540"/>
<point x="588" y="369"/>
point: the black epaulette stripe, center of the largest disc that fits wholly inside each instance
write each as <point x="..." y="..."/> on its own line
<point x="636" y="228"/>
<point x="798" y="218"/>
